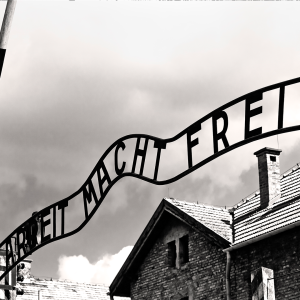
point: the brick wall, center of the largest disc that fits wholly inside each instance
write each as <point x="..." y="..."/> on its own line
<point x="203" y="277"/>
<point x="281" y="253"/>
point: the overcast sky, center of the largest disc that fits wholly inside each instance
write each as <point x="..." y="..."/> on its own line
<point x="78" y="75"/>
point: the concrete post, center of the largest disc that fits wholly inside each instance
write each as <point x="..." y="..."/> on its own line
<point x="40" y="296"/>
<point x="262" y="284"/>
<point x="7" y="280"/>
<point x="6" y="24"/>
<point x="5" y="28"/>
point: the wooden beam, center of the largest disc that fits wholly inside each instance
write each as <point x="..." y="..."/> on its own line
<point x="6" y="287"/>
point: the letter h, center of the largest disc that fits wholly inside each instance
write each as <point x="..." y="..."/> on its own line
<point x="140" y="152"/>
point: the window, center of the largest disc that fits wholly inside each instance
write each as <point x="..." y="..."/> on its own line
<point x="172" y="254"/>
<point x="185" y="298"/>
<point x="184" y="249"/>
<point x="178" y="252"/>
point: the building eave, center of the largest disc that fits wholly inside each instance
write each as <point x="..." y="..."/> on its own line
<point x="262" y="237"/>
<point x="125" y="274"/>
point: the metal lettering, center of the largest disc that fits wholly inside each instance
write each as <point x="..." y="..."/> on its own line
<point x="192" y="143"/>
<point x="10" y="259"/>
<point x="281" y="107"/>
<point x="118" y="170"/>
<point x="140" y="152"/>
<point x="249" y="113"/>
<point x="159" y="145"/>
<point x="21" y="246"/>
<point x="222" y="134"/>
<point x="30" y="235"/>
<point x="62" y="206"/>
<point x="54" y="221"/>
<point x="44" y="224"/>
<point x="87" y="196"/>
<point x="101" y="180"/>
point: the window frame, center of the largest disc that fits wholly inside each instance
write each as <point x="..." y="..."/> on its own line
<point x="178" y="252"/>
<point x="172" y="254"/>
<point x="184" y="249"/>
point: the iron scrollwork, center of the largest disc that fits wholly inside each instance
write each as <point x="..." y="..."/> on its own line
<point x="30" y="236"/>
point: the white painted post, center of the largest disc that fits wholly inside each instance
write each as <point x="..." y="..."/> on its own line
<point x="262" y="283"/>
<point x="2" y="264"/>
<point x="6" y="24"/>
<point x="40" y="295"/>
<point x="5" y="28"/>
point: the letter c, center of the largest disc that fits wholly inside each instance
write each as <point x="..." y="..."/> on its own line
<point x="119" y="171"/>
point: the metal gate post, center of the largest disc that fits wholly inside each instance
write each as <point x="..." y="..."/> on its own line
<point x="7" y="285"/>
<point x="6" y="25"/>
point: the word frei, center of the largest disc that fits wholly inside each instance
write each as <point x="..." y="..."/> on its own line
<point x="31" y="235"/>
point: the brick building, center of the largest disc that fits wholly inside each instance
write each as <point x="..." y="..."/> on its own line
<point x="32" y="288"/>
<point x="42" y="289"/>
<point x="192" y="251"/>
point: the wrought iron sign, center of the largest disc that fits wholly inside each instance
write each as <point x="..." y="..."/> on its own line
<point x="48" y="225"/>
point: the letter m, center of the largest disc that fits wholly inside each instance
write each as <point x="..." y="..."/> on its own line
<point x="87" y="196"/>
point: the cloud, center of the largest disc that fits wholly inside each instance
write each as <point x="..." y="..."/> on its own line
<point x="22" y="198"/>
<point x="83" y="82"/>
<point x="79" y="269"/>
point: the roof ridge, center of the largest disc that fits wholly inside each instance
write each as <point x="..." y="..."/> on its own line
<point x="171" y="200"/>
<point x="68" y="281"/>
<point x="256" y="192"/>
<point x="290" y="170"/>
<point x="273" y="207"/>
<point x="247" y="198"/>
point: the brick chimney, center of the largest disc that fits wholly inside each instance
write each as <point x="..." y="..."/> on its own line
<point x="269" y="175"/>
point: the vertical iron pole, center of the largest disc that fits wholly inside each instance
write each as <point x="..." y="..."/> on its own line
<point x="228" y="268"/>
<point x="6" y="25"/>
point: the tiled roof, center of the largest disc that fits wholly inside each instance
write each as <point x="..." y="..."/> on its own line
<point x="214" y="222"/>
<point x="249" y="222"/>
<point x="63" y="290"/>
<point x="215" y="218"/>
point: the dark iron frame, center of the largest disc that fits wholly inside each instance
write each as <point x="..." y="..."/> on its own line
<point x="160" y="144"/>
